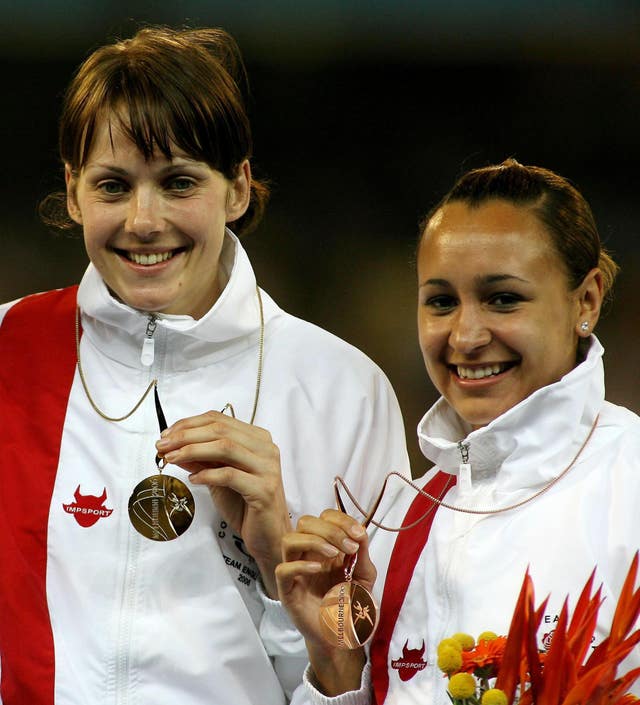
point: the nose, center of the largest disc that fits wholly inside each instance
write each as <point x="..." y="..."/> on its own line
<point x="469" y="330"/>
<point x="144" y="213"/>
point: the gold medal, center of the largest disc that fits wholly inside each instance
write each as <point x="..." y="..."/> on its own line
<point x="161" y="507"/>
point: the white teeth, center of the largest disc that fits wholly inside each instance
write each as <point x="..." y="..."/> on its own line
<point x="149" y="259"/>
<point x="479" y="372"/>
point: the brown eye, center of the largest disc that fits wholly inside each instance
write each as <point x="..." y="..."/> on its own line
<point x="505" y="300"/>
<point x="441" y="303"/>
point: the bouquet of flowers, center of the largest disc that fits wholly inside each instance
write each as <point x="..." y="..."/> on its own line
<point x="499" y="670"/>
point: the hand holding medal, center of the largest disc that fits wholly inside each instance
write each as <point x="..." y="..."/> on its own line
<point x="240" y="466"/>
<point x="326" y="579"/>
<point x="348" y="612"/>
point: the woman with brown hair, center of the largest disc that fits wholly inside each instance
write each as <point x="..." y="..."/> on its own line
<point x="533" y="468"/>
<point x="165" y="421"/>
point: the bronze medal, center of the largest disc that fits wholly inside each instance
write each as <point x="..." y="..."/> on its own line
<point x="161" y="507"/>
<point x="348" y="615"/>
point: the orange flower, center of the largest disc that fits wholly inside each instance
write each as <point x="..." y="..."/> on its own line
<point x="486" y="655"/>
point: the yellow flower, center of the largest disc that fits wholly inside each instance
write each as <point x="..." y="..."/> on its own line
<point x="466" y="641"/>
<point x="487" y="636"/>
<point x="451" y="643"/>
<point x="494" y="696"/>
<point x="462" y="686"/>
<point x="449" y="658"/>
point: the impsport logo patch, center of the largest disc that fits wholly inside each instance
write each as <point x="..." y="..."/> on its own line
<point x="88" y="508"/>
<point x="410" y="663"/>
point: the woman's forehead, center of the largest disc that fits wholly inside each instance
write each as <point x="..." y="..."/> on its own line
<point x="495" y="234"/>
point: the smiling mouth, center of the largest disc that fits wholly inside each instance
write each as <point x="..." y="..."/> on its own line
<point x="482" y="372"/>
<point x="148" y="259"/>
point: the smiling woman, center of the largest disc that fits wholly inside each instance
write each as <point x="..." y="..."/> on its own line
<point x="533" y="468"/>
<point x="154" y="228"/>
<point x="127" y="580"/>
<point x="497" y="318"/>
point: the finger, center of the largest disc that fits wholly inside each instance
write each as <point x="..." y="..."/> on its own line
<point x="212" y="425"/>
<point x="288" y="574"/>
<point x="262" y="492"/>
<point x="214" y="431"/>
<point x="226" y="451"/>
<point x="350" y="525"/>
<point x="365" y="571"/>
<point x="296" y="544"/>
<point x="336" y="528"/>
<point x="203" y="445"/>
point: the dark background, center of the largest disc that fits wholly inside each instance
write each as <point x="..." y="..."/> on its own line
<point x="364" y="113"/>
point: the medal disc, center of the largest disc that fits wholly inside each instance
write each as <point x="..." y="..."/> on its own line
<point x="348" y="615"/>
<point x="161" y="507"/>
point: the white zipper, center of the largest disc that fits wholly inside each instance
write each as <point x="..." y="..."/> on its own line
<point x="464" y="469"/>
<point x="147" y="354"/>
<point x="123" y="681"/>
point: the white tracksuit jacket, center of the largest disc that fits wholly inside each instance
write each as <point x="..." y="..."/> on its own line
<point x="469" y="573"/>
<point x="139" y="622"/>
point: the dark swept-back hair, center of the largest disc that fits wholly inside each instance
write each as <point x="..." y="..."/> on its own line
<point x="163" y="87"/>
<point x="558" y="205"/>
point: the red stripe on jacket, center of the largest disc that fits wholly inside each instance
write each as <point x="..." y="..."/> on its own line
<point x="406" y="552"/>
<point x="37" y="366"/>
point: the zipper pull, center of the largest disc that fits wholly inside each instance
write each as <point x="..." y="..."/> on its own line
<point x="148" y="346"/>
<point x="464" y="470"/>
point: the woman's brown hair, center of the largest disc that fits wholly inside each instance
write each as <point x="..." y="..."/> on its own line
<point x="558" y="204"/>
<point x="165" y="87"/>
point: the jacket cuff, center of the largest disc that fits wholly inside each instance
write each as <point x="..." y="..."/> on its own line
<point x="352" y="697"/>
<point x="277" y="631"/>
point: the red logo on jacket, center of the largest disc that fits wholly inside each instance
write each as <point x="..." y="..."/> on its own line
<point x="88" y="508"/>
<point x="410" y="663"/>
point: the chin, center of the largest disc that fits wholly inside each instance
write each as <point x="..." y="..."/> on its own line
<point x="478" y="418"/>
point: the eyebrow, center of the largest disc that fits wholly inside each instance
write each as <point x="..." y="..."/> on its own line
<point x="170" y="168"/>
<point x="108" y="167"/>
<point x="480" y="280"/>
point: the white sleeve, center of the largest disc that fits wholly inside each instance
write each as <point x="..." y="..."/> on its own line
<point x="307" y="694"/>
<point x="378" y="447"/>
<point x="282" y="642"/>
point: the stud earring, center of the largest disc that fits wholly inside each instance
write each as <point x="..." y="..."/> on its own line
<point x="584" y="326"/>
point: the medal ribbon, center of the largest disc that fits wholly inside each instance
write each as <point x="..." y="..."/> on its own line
<point x="162" y="423"/>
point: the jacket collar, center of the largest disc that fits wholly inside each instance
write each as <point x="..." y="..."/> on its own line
<point x="230" y="324"/>
<point x="540" y="435"/>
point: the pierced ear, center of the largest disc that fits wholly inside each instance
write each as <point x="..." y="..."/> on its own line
<point x="72" y="202"/>
<point x="239" y="193"/>
<point x="589" y="299"/>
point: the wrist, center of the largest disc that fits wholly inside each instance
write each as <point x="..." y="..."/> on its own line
<point x="268" y="580"/>
<point x="335" y="671"/>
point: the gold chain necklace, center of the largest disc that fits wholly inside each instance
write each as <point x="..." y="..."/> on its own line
<point x="154" y="382"/>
